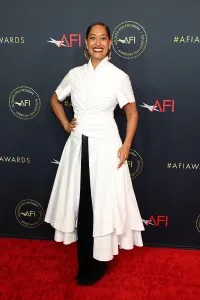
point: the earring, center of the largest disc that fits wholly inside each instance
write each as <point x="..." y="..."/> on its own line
<point x="109" y="54"/>
<point x="86" y="54"/>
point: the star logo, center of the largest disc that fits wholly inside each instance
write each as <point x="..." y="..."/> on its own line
<point x="147" y="222"/>
<point x="57" y="43"/>
<point x="54" y="161"/>
<point x="149" y="107"/>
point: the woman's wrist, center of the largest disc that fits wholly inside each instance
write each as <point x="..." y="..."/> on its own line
<point x="127" y="144"/>
<point x="65" y="124"/>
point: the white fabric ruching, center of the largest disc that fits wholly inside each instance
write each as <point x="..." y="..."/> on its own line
<point x="117" y="221"/>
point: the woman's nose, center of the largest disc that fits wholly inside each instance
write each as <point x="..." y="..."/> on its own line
<point x="98" y="41"/>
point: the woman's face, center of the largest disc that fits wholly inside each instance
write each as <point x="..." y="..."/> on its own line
<point x="98" y="42"/>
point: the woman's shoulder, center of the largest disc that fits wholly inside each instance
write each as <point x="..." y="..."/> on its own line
<point x="77" y="69"/>
<point x="117" y="71"/>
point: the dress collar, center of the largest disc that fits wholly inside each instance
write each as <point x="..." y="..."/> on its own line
<point x="103" y="62"/>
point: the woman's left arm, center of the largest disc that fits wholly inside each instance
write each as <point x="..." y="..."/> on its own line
<point x="132" y="121"/>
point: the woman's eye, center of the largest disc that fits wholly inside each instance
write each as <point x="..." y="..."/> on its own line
<point x="92" y="38"/>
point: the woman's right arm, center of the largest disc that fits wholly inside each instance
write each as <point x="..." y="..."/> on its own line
<point x="60" y="114"/>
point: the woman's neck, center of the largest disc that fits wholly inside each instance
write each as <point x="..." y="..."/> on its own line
<point x="95" y="62"/>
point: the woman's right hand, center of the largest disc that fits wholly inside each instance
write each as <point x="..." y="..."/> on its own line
<point x="71" y="125"/>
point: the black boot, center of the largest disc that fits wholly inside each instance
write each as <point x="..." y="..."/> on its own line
<point x="91" y="273"/>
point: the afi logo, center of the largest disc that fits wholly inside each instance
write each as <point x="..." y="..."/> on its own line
<point x="127" y="40"/>
<point x="67" y="40"/>
<point x="23" y="103"/>
<point x="161" y="106"/>
<point x="158" y="221"/>
<point x="29" y="213"/>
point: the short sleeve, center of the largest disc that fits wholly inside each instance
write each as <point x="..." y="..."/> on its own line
<point x="64" y="88"/>
<point x="124" y="92"/>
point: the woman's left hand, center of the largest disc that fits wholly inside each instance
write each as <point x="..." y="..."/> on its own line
<point x="123" y="154"/>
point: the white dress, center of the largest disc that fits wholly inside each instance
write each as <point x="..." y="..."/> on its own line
<point x="116" y="217"/>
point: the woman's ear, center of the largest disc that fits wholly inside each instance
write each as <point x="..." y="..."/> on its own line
<point x="86" y="44"/>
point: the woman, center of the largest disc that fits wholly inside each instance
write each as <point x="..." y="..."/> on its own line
<point x="92" y="200"/>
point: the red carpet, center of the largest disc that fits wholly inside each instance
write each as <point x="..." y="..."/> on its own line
<point x="32" y="269"/>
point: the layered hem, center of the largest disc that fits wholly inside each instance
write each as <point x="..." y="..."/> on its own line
<point x="105" y="247"/>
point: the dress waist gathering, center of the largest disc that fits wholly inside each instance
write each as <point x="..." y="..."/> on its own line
<point x="95" y="124"/>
